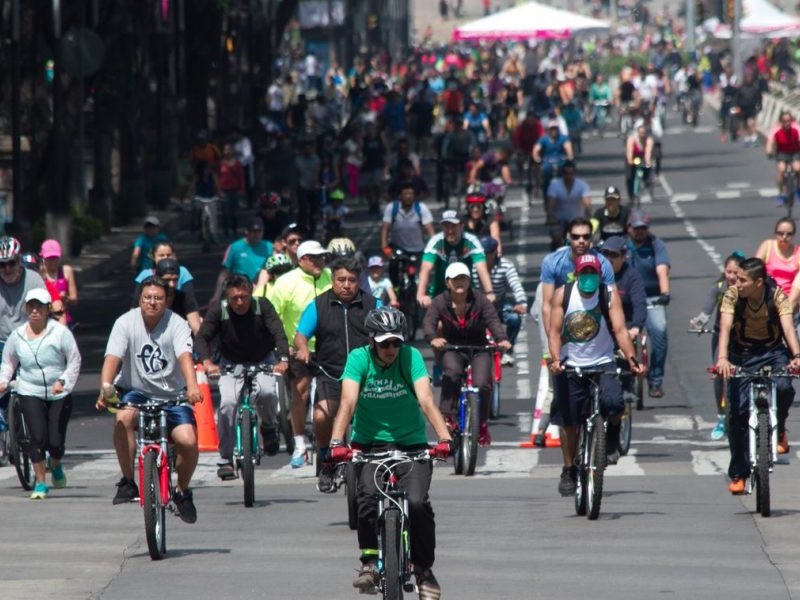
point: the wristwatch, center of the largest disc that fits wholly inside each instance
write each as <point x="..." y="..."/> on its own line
<point x="796" y="355"/>
<point x="284" y="359"/>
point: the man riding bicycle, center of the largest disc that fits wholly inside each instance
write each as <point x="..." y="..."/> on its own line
<point x="585" y="319"/>
<point x="386" y="393"/>
<point x="405" y="226"/>
<point x="783" y="144"/>
<point x="755" y="330"/>
<point x="550" y="152"/>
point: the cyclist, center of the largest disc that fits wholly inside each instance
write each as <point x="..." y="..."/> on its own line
<point x="335" y="319"/>
<point x="524" y="137"/>
<point x="550" y="152"/>
<point x="406" y="224"/>
<point x="601" y="96"/>
<point x="783" y="143"/>
<point x="782" y="258"/>
<point x="380" y="286"/>
<point x="275" y="266"/>
<point x="387" y="395"/>
<point x="749" y="99"/>
<point x="457" y="146"/>
<point x="728" y="279"/>
<point x="49" y="364"/>
<point x="612" y="220"/>
<point x="479" y="221"/>
<point x="755" y="330"/>
<point x="142" y="254"/>
<point x="245" y="256"/>
<point x="242" y="330"/>
<point x="149" y="356"/>
<point x="585" y="319"/>
<point x="15" y="283"/>
<point x="274" y="219"/>
<point x="477" y="123"/>
<point x="638" y="146"/>
<point x="492" y="173"/>
<point x="568" y="197"/>
<point x="290" y="295"/>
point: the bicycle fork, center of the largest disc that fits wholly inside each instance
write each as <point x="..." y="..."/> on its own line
<point x="162" y="460"/>
<point x="239" y="449"/>
<point x="758" y="404"/>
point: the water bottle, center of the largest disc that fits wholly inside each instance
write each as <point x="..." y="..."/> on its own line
<point x="111" y="396"/>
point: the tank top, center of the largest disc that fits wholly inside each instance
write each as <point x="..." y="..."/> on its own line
<point x="585" y="335"/>
<point x="61" y="286"/>
<point x="782" y="270"/>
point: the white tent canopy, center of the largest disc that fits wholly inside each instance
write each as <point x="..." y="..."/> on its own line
<point x="760" y="18"/>
<point x="529" y="21"/>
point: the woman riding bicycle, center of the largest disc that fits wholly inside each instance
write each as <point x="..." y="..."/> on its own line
<point x="480" y="221"/>
<point x="464" y="315"/>
<point x="781" y="258"/>
<point x="638" y="146"/>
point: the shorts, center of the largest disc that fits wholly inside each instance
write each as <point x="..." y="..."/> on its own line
<point x="572" y="402"/>
<point x="328" y="389"/>
<point x="298" y="369"/>
<point x="786" y="157"/>
<point x="182" y="414"/>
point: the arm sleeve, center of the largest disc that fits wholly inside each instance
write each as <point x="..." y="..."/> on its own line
<point x="728" y="304"/>
<point x="73" y="356"/>
<point x="548" y="271"/>
<point x="118" y="340"/>
<point x="181" y="337"/>
<point x="190" y="304"/>
<point x="607" y="271"/>
<point x="307" y="326"/>
<point x="207" y="332"/>
<point x="417" y="365"/>
<point x="355" y="366"/>
<point x="660" y="250"/>
<point x="712" y="298"/>
<point x="515" y="284"/>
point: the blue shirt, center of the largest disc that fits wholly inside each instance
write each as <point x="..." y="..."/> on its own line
<point x="568" y="203"/>
<point x="307" y="326"/>
<point x="553" y="148"/>
<point x="147" y="244"/>
<point x="184" y="276"/>
<point x="645" y="259"/>
<point x="244" y="259"/>
<point x="558" y="268"/>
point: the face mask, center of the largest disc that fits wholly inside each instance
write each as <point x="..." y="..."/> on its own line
<point x="588" y="282"/>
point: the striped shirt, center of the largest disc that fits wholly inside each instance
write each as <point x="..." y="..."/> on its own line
<point x="505" y="279"/>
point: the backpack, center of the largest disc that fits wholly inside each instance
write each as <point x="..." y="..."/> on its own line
<point x="396" y="209"/>
<point x="772" y="312"/>
<point x="602" y="300"/>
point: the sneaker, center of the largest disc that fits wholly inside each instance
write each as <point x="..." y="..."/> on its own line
<point x="325" y="481"/>
<point x="780" y="200"/>
<point x="226" y="472"/>
<point x="539" y="440"/>
<point x="719" y="429"/>
<point x="568" y="482"/>
<point x="437" y="375"/>
<point x="507" y="360"/>
<point x="298" y="457"/>
<point x="39" y="491"/>
<point x="427" y="586"/>
<point x="656" y="392"/>
<point x="484" y="437"/>
<point x="59" y="479"/>
<point x="184" y="502"/>
<point x="368" y="578"/>
<point x="127" y="491"/>
<point x="783" y="443"/>
<point x="737" y="486"/>
<point x="272" y="443"/>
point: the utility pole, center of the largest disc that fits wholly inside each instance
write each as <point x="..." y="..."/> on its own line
<point x="691" y="25"/>
<point x="16" y="134"/>
<point x="736" y="38"/>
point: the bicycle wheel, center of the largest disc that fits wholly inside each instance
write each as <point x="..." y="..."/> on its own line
<point x="458" y="456"/>
<point x="469" y="438"/>
<point x="154" y="510"/>
<point x="247" y="465"/>
<point x="580" y="485"/>
<point x="351" y="488"/>
<point x="18" y="434"/>
<point x="596" y="468"/>
<point x="761" y="473"/>
<point x="392" y="555"/>
<point x="626" y="429"/>
<point x="494" y="413"/>
<point x="284" y="417"/>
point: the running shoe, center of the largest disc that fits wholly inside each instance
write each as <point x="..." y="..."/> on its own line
<point x="39" y="491"/>
<point x="368" y="578"/>
<point x="184" y="502"/>
<point x="127" y="491"/>
<point x="325" y="481"/>
<point x="737" y="486"/>
<point x="484" y="437"/>
<point x="568" y="482"/>
<point x="58" y="476"/>
<point x="298" y="457"/>
<point x="719" y="429"/>
<point x="427" y="585"/>
<point x="507" y="360"/>
<point x="539" y="440"/>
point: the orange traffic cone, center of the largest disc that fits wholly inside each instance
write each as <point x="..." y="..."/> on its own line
<point x="552" y="437"/>
<point x="207" y="440"/>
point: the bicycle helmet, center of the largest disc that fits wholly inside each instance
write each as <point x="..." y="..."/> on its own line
<point x="278" y="264"/>
<point x="489" y="244"/>
<point x="30" y="261"/>
<point x="337" y="194"/>
<point x="9" y="248"/>
<point x="476" y="198"/>
<point x="385" y="322"/>
<point x="342" y="247"/>
<point x="269" y="200"/>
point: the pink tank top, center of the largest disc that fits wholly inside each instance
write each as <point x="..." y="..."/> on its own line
<point x="782" y="270"/>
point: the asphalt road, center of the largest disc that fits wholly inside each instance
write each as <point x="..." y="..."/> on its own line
<point x="668" y="527"/>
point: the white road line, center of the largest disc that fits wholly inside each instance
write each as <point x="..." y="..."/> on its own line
<point x="684" y="197"/>
<point x="728" y="194"/>
<point x="737" y="185"/>
<point x="768" y="192"/>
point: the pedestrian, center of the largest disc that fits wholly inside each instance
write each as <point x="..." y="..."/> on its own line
<point x="231" y="184"/>
<point x="59" y="279"/>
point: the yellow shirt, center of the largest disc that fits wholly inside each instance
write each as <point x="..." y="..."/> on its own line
<point x="290" y="295"/>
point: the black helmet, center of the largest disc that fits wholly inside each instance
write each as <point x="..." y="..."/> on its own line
<point x="385" y="322"/>
<point x="30" y="260"/>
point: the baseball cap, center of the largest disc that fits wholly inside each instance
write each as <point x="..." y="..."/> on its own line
<point x="152" y="220"/>
<point x="387" y="336"/>
<point x="255" y="224"/>
<point x="612" y="192"/>
<point x="50" y="249"/>
<point x="375" y="261"/>
<point x="587" y="261"/>
<point x="450" y="216"/>
<point x="39" y="295"/>
<point x="616" y="243"/>
<point x="167" y="266"/>
<point x="456" y="269"/>
<point x="638" y="218"/>
<point x="552" y="123"/>
<point x="311" y="247"/>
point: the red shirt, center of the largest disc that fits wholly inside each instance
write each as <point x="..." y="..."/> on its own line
<point x="231" y="176"/>
<point x="787" y="142"/>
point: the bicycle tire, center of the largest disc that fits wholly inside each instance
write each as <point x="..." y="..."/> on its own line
<point x="580" y="484"/>
<point x="247" y="466"/>
<point x="626" y="429"/>
<point x="763" y="458"/>
<point x="469" y="443"/>
<point x="596" y="471"/>
<point x="154" y="511"/>
<point x="351" y="489"/>
<point x="18" y="434"/>
<point x="458" y="456"/>
<point x="494" y="413"/>
<point x="392" y="555"/>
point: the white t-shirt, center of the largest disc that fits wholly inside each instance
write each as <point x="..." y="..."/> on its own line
<point x="275" y="97"/>
<point x="405" y="230"/>
<point x="150" y="358"/>
<point x="588" y="340"/>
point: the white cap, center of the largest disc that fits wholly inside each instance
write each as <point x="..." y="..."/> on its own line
<point x="450" y="216"/>
<point x="375" y="261"/>
<point x="456" y="269"/>
<point x="387" y="336"/>
<point x="38" y="294"/>
<point x="152" y="220"/>
<point x="311" y="247"/>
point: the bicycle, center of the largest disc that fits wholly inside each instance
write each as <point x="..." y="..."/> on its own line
<point x="641" y="183"/>
<point x="207" y="210"/>
<point x="406" y="290"/>
<point x="19" y="444"/>
<point x="763" y="429"/>
<point x="494" y="411"/>
<point x="247" y="450"/>
<point x="465" y="437"/>
<point x="626" y="419"/>
<point x="591" y="458"/>
<point x="156" y="464"/>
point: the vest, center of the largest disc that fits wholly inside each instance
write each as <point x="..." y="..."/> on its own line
<point x="340" y="328"/>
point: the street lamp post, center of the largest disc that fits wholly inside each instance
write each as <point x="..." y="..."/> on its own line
<point x="16" y="134"/>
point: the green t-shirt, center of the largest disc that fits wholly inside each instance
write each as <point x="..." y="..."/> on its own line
<point x="388" y="411"/>
<point x="468" y="250"/>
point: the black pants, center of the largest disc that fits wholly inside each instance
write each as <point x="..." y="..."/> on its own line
<point x="415" y="480"/>
<point x="307" y="205"/>
<point x="47" y="425"/>
<point x="454" y="366"/>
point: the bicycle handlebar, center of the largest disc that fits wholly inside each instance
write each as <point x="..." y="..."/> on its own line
<point x="762" y="373"/>
<point x="240" y="370"/>
<point x="487" y="347"/>
<point x="153" y="404"/>
<point x="589" y="371"/>
<point x="699" y="330"/>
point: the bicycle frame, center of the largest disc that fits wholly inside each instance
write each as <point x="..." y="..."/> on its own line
<point x="763" y="395"/>
<point x="152" y="436"/>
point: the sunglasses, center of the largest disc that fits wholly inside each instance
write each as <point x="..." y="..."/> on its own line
<point x="391" y="343"/>
<point x="610" y="254"/>
<point x="580" y="236"/>
<point x="293" y="241"/>
<point x="784" y="233"/>
<point x="8" y="264"/>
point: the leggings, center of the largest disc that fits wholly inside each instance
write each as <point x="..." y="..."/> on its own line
<point x="454" y="365"/>
<point x="47" y="425"/>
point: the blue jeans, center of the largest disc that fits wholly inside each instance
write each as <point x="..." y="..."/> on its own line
<point x="512" y="321"/>
<point x="656" y="325"/>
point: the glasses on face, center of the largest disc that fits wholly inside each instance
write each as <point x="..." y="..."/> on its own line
<point x="610" y="254"/>
<point x="238" y="298"/>
<point x="580" y="236"/>
<point x="315" y="258"/>
<point x="391" y="343"/>
<point x="8" y="265"/>
<point x="292" y="241"/>
<point x="782" y="233"/>
<point x="154" y="299"/>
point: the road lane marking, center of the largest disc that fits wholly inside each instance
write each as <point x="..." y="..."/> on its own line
<point x="728" y="194"/>
<point x="684" y="197"/>
<point x="709" y="249"/>
<point x="710" y="462"/>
